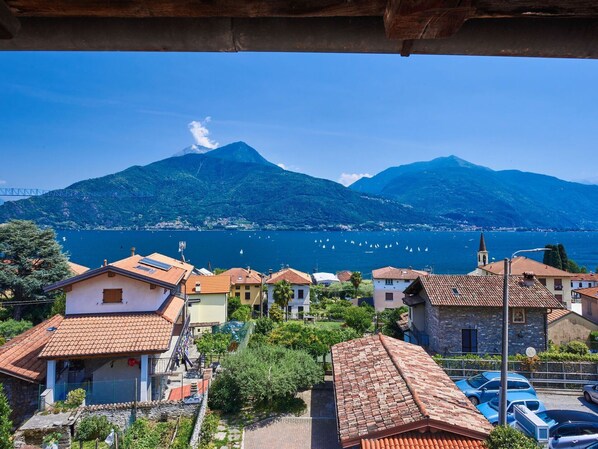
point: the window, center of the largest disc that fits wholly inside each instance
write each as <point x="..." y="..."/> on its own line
<point x="237" y="287"/>
<point x="559" y="297"/>
<point x="300" y="294"/>
<point x="542" y="281"/>
<point x="469" y="340"/>
<point x="388" y="296"/>
<point x="532" y="405"/>
<point x="387" y="281"/>
<point x="237" y="294"/>
<point x="568" y="430"/>
<point x="247" y="296"/>
<point x="247" y="287"/>
<point x="290" y="309"/>
<point x="580" y="285"/>
<point x="518" y="316"/>
<point x="492" y="385"/>
<point x="300" y="309"/>
<point x="558" y="284"/>
<point x="112" y="295"/>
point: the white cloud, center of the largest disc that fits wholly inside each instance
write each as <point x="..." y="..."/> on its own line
<point x="347" y="179"/>
<point x="281" y="165"/>
<point x="200" y="133"/>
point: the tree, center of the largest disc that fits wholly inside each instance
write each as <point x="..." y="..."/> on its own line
<point x="210" y="343"/>
<point x="358" y="318"/>
<point x="553" y="257"/>
<point x="11" y="328"/>
<point x="356" y="279"/>
<point x="243" y="313"/>
<point x="5" y="422"/>
<point x="234" y="302"/>
<point x="283" y="293"/>
<point x="563" y="256"/>
<point x="275" y="313"/>
<point x="389" y="319"/>
<point x="506" y="437"/>
<point x="31" y="258"/>
<point x="264" y="326"/>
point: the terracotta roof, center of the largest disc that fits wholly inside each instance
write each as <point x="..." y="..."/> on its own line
<point x="209" y="284"/>
<point x="173" y="275"/>
<point x="584" y="277"/>
<point x="418" y="440"/>
<point x="77" y="269"/>
<point x="521" y="264"/>
<point x="175" y="262"/>
<point x="19" y="356"/>
<point x="109" y="334"/>
<point x="397" y="273"/>
<point x="592" y="292"/>
<point x="180" y="393"/>
<point x="482" y="291"/>
<point x="171" y="308"/>
<point x="557" y="314"/>
<point x="386" y="386"/>
<point x="344" y="276"/>
<point x="290" y="275"/>
<point x="241" y="276"/>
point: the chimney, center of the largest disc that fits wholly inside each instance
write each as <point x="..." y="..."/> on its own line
<point x="528" y="278"/>
<point x="197" y="287"/>
<point x="105" y="262"/>
<point x="132" y="250"/>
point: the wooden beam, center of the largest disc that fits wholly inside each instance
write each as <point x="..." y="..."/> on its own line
<point x="198" y="8"/>
<point x="9" y="24"/>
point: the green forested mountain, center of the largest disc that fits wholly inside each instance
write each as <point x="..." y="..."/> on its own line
<point x="451" y="188"/>
<point x="233" y="185"/>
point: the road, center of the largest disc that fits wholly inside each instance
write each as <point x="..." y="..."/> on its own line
<point x="566" y="400"/>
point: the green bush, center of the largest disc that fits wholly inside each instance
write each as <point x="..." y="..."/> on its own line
<point x="358" y="318"/>
<point x="243" y="313"/>
<point x="575" y="347"/>
<point x="388" y="319"/>
<point x="338" y="310"/>
<point x="210" y="343"/>
<point x="594" y="336"/>
<point x="506" y="437"/>
<point x="11" y="328"/>
<point x="311" y="339"/>
<point x="234" y="302"/>
<point x="276" y="313"/>
<point x="264" y="325"/>
<point x="75" y="398"/>
<point x="183" y="434"/>
<point x="209" y="426"/>
<point x="92" y="427"/>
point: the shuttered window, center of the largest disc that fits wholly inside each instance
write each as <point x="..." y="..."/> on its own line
<point x="112" y="295"/>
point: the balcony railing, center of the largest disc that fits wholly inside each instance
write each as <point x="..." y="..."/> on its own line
<point x="558" y="287"/>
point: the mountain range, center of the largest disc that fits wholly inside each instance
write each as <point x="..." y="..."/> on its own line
<point x="229" y="187"/>
<point x="235" y="187"/>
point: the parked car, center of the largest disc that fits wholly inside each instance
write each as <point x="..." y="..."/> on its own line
<point x="490" y="409"/>
<point x="571" y="429"/>
<point x="484" y="386"/>
<point x="590" y="392"/>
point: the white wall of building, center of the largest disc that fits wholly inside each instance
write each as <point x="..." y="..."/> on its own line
<point x="86" y="296"/>
<point x="296" y="302"/>
<point x="381" y="287"/>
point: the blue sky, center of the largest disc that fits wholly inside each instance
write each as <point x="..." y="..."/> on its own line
<point x="71" y="116"/>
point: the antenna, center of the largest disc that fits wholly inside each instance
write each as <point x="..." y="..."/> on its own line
<point x="182" y="247"/>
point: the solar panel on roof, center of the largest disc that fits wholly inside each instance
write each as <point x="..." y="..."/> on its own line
<point x="155" y="264"/>
<point x="148" y="269"/>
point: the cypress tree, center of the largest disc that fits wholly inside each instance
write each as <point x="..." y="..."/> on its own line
<point x="564" y="258"/>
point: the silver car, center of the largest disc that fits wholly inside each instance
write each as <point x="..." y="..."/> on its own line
<point x="570" y="429"/>
<point x="590" y="393"/>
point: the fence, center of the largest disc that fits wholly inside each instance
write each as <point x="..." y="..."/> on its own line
<point x="540" y="373"/>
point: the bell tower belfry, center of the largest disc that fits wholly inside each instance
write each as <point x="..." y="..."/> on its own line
<point x="482" y="252"/>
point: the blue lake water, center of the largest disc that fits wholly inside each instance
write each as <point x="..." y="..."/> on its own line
<point x="445" y="252"/>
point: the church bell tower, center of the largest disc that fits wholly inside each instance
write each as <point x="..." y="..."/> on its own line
<point x="482" y="252"/>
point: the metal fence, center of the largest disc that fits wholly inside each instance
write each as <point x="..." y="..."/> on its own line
<point x="540" y="373"/>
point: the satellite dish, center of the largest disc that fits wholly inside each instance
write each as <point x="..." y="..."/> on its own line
<point x="530" y="352"/>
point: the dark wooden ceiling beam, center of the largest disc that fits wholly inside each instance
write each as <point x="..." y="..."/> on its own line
<point x="9" y="24"/>
<point x="197" y="8"/>
<point x="433" y="19"/>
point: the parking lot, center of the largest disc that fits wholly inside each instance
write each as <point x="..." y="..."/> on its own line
<point x="560" y="399"/>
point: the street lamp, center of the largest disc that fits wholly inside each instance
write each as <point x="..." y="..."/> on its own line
<point x="502" y="410"/>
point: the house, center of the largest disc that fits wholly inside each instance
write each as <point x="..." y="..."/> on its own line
<point x="124" y="327"/>
<point x="76" y="268"/>
<point x="325" y="279"/>
<point x="344" y="276"/>
<point x="589" y="302"/>
<point x="207" y="301"/>
<point x="565" y="326"/>
<point x="391" y="394"/>
<point x="584" y="280"/>
<point x="389" y="284"/>
<point x="300" y="284"/>
<point x="558" y="282"/>
<point x="22" y="372"/>
<point x="463" y="314"/>
<point x="247" y="285"/>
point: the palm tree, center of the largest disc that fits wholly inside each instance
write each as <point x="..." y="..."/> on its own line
<point x="283" y="293"/>
<point x="356" y="280"/>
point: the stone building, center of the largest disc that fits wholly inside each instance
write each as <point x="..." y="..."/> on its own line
<point x="463" y="314"/>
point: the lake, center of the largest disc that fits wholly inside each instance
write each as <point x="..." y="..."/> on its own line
<point x="444" y="252"/>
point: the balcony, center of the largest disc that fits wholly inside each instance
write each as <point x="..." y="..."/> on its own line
<point x="558" y="286"/>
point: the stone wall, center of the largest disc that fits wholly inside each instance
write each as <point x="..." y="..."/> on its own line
<point x="122" y="415"/>
<point x="22" y="396"/>
<point x="445" y="324"/>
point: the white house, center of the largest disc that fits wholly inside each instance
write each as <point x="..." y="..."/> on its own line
<point x="325" y="279"/>
<point x="300" y="284"/>
<point x="389" y="284"/>
<point x="124" y="326"/>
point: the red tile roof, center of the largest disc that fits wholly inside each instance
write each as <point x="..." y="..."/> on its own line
<point x="241" y="276"/>
<point x="19" y="356"/>
<point x="344" y="276"/>
<point x="386" y="386"/>
<point x="482" y="291"/>
<point x="77" y="269"/>
<point x="171" y="308"/>
<point x="521" y="264"/>
<point x="180" y="393"/>
<point x="397" y="273"/>
<point x="557" y="314"/>
<point x="175" y="262"/>
<point x="592" y="292"/>
<point x="585" y="277"/>
<point x="290" y="275"/>
<point x="208" y="284"/>
<point x="109" y="334"/>
<point x="132" y="264"/>
<point x="418" y="440"/>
